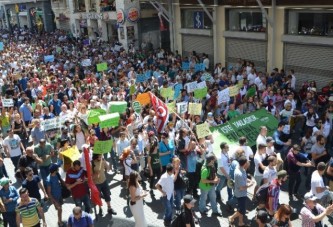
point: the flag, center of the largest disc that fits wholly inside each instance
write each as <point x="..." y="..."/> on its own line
<point x="161" y="111"/>
<point x="95" y="195"/>
<point x="251" y="92"/>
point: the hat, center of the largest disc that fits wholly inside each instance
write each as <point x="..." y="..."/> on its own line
<point x="262" y="216"/>
<point x="210" y="114"/>
<point x="4" y="181"/>
<point x="189" y="199"/>
<point x="270" y="139"/>
<point x="310" y="196"/>
<point x="296" y="147"/>
<point x="282" y="174"/>
<point x="151" y="133"/>
<point x="262" y="145"/>
<point x="53" y="167"/>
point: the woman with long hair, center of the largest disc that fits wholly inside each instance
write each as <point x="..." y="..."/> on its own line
<point x="136" y="199"/>
<point x="19" y="129"/>
<point x="282" y="217"/>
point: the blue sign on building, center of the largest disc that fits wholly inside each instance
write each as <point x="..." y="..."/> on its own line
<point x="198" y="19"/>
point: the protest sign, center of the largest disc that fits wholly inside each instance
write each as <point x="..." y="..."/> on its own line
<point x="72" y="153"/>
<point x="148" y="75"/>
<point x="1" y="46"/>
<point x="223" y="96"/>
<point x="49" y="58"/>
<point x="247" y="125"/>
<point x="93" y="116"/>
<point x="167" y="93"/>
<point x="102" y="67"/>
<point x="109" y="120"/>
<point x="202" y="130"/>
<point x="190" y="87"/>
<point x="102" y="147"/>
<point x="177" y="89"/>
<point x="143" y="98"/>
<point x="118" y="107"/>
<point x="50" y="124"/>
<point x="201" y="85"/>
<point x="185" y="65"/>
<point x="233" y="91"/>
<point x="194" y="108"/>
<point x="200" y="93"/>
<point x="86" y="42"/>
<point x="7" y="102"/>
<point x="140" y="78"/>
<point x="172" y="107"/>
<point x="206" y="77"/>
<point x="199" y="67"/>
<point x="117" y="47"/>
<point x="86" y="62"/>
<point x="132" y="89"/>
<point x="181" y="107"/>
<point x="240" y="84"/>
<point x="136" y="107"/>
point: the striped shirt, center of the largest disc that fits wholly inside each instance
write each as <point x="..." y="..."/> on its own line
<point x="28" y="212"/>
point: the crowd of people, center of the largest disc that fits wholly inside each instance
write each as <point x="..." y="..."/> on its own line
<point x="168" y="156"/>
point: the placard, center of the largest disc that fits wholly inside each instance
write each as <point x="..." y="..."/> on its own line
<point x="185" y="65"/>
<point x="109" y="120"/>
<point x="199" y="67"/>
<point x="143" y="98"/>
<point x="50" y="124"/>
<point x="7" y="102"/>
<point x="1" y="46"/>
<point x="202" y="130"/>
<point x="190" y="87"/>
<point x="49" y="58"/>
<point x="118" y="107"/>
<point x="140" y="78"/>
<point x="181" y="107"/>
<point x="167" y="93"/>
<point x="194" y="108"/>
<point x="251" y="92"/>
<point x="72" y="153"/>
<point x="223" y="96"/>
<point x="177" y="89"/>
<point x="102" y="147"/>
<point x="200" y="93"/>
<point x="136" y="107"/>
<point x="148" y="75"/>
<point x="102" y="67"/>
<point x="172" y="107"/>
<point x="93" y="116"/>
<point x="233" y="91"/>
<point x="86" y="62"/>
<point x="201" y="85"/>
<point x="132" y="89"/>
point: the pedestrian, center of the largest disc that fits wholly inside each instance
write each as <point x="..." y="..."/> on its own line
<point x="318" y="187"/>
<point x="80" y="218"/>
<point x="189" y="217"/>
<point x="13" y="147"/>
<point x="274" y="192"/>
<point x="28" y="211"/>
<point x="9" y="198"/>
<point x="137" y="195"/>
<point x="282" y="216"/>
<point x="180" y="183"/>
<point x="166" y="186"/>
<point x="29" y="159"/>
<point x="45" y="151"/>
<point x="33" y="184"/>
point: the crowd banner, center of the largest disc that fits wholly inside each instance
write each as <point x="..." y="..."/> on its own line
<point x="195" y="108"/>
<point x="102" y="67"/>
<point x="167" y="93"/>
<point x="7" y="102"/>
<point x="1" y="46"/>
<point x="140" y="78"/>
<point x="136" y="107"/>
<point x="118" y="107"/>
<point x="143" y="98"/>
<point x="50" y="124"/>
<point x="223" y="96"/>
<point x="202" y="130"/>
<point x="49" y="58"/>
<point x="190" y="87"/>
<point x="86" y="62"/>
<point x="185" y="65"/>
<point x="109" y="120"/>
<point x="247" y="125"/>
<point x="181" y="107"/>
<point x="199" y="67"/>
<point x="172" y="107"/>
<point x="72" y="153"/>
<point x="94" y="114"/>
<point x="200" y="93"/>
<point x="233" y="91"/>
<point x="102" y="147"/>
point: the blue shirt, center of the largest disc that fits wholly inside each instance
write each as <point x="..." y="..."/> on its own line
<point x="164" y="148"/>
<point x="56" y="106"/>
<point x="54" y="183"/>
<point x="234" y="164"/>
<point x="240" y="181"/>
<point x="84" y="221"/>
<point x="11" y="193"/>
<point x="23" y="82"/>
<point x="25" y="112"/>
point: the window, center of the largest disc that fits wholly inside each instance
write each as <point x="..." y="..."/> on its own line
<point x="318" y="23"/>
<point x="108" y="5"/>
<point x="92" y="6"/>
<point x="188" y="19"/>
<point x="79" y="6"/>
<point x="247" y="20"/>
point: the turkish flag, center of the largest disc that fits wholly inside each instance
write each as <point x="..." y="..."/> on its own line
<point x="95" y="195"/>
<point x="161" y="111"/>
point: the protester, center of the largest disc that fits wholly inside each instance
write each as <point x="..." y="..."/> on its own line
<point x="282" y="216"/>
<point x="80" y="218"/>
<point x="9" y="198"/>
<point x="274" y="192"/>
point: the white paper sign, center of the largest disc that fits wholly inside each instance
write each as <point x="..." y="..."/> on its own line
<point x="50" y="124"/>
<point x="7" y="102"/>
<point x="223" y="96"/>
<point x="190" y="87"/>
<point x="86" y="62"/>
<point x="181" y="107"/>
<point x="201" y="85"/>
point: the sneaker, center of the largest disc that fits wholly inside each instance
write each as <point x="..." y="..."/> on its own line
<point x="111" y="211"/>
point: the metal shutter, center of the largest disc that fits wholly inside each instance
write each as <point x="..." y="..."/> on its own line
<point x="310" y="62"/>
<point x="64" y="25"/>
<point x="199" y="44"/>
<point x="251" y="50"/>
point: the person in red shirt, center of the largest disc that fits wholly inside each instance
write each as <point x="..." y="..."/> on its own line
<point x="76" y="181"/>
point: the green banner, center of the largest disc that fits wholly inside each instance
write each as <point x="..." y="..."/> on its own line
<point x="200" y="93"/>
<point x="102" y="147"/>
<point x="251" y="92"/>
<point x="118" y="107"/>
<point x="247" y="125"/>
<point x="109" y="120"/>
<point x="102" y="67"/>
<point x="94" y="114"/>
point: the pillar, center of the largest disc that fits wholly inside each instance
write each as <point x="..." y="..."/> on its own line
<point x="220" y="40"/>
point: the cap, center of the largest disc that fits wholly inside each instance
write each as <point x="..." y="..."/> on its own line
<point x="296" y="147"/>
<point x="210" y="114"/>
<point x="53" y="167"/>
<point x="282" y="174"/>
<point x="189" y="199"/>
<point x="262" y="216"/>
<point x="310" y="196"/>
<point x="262" y="145"/>
<point x="151" y="133"/>
<point x="4" y="181"/>
<point x="270" y="139"/>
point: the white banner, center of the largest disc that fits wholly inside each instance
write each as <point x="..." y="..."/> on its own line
<point x="223" y="96"/>
<point x="7" y="102"/>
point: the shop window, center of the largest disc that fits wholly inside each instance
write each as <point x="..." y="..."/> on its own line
<point x="189" y="20"/>
<point x="79" y="6"/>
<point x="108" y="5"/>
<point x="319" y="23"/>
<point x="246" y="20"/>
<point x="92" y="6"/>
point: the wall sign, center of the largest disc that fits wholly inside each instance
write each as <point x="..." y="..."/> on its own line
<point x="95" y="16"/>
<point x="198" y="19"/>
<point x="120" y="16"/>
<point x="133" y="14"/>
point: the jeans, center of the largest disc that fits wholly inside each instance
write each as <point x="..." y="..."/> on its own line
<point x="192" y="183"/>
<point x="179" y="194"/>
<point x="294" y="183"/>
<point x="114" y="159"/>
<point x="222" y="184"/>
<point x="168" y="204"/>
<point x="9" y="218"/>
<point x="212" y="199"/>
<point x="86" y="202"/>
<point x="15" y="161"/>
<point x="157" y="174"/>
<point x="44" y="172"/>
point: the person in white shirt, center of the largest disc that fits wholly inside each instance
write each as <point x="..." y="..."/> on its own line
<point x="262" y="136"/>
<point x="293" y="79"/>
<point x="258" y="159"/>
<point x="166" y="186"/>
<point x="12" y="145"/>
<point x="223" y="168"/>
<point x="242" y="145"/>
<point x="318" y="187"/>
<point x="251" y="77"/>
<point x="270" y="172"/>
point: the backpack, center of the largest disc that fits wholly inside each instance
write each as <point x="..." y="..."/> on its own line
<point x="262" y="193"/>
<point x="178" y="221"/>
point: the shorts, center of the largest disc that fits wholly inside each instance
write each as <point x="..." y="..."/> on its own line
<point x="59" y="200"/>
<point x="104" y="190"/>
<point x="258" y="180"/>
<point x="241" y="206"/>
